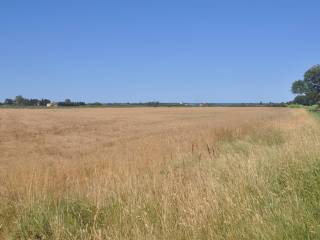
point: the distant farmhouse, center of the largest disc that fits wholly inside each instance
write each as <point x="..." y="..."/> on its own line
<point x="52" y="104"/>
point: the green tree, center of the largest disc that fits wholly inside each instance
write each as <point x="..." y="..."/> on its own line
<point x="300" y="87"/>
<point x="312" y="78"/>
<point x="308" y="89"/>
<point x="19" y="100"/>
<point x="8" y="101"/>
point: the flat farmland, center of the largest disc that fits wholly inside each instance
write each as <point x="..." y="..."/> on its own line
<point x="156" y="173"/>
<point x="118" y="134"/>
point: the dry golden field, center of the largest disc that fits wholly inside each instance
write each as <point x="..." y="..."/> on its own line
<point x="159" y="173"/>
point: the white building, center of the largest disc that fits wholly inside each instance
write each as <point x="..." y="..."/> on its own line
<point x="52" y="104"/>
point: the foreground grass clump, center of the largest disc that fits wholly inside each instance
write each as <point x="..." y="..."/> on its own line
<point x="258" y="181"/>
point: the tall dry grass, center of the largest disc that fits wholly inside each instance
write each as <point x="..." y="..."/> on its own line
<point x="236" y="173"/>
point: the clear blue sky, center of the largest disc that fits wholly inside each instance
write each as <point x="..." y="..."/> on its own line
<point x="166" y="50"/>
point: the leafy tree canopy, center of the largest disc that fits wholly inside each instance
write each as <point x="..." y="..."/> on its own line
<point x="308" y="89"/>
<point x="300" y="87"/>
<point x="312" y="77"/>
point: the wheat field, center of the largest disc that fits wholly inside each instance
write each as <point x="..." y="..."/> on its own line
<point x="159" y="173"/>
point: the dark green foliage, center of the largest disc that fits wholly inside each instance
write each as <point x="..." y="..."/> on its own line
<point x="44" y="102"/>
<point x="153" y="104"/>
<point x="9" y="101"/>
<point x="312" y="78"/>
<point x="69" y="103"/>
<point x="306" y="100"/>
<point x="300" y="87"/>
<point x="308" y="88"/>
<point x="21" y="101"/>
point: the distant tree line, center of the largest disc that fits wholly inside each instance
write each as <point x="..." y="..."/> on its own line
<point x="25" y="102"/>
<point x="69" y="103"/>
<point x="308" y="89"/>
<point x="21" y="101"/>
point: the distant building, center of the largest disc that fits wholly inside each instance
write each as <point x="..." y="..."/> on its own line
<point x="52" y="104"/>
